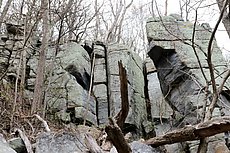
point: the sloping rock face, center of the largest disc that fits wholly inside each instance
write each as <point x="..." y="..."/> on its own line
<point x="181" y="80"/>
<point x="133" y="64"/>
<point x="67" y="83"/>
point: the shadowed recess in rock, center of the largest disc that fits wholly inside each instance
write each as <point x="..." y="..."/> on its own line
<point x="83" y="80"/>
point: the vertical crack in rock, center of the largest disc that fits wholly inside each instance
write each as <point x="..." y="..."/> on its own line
<point x="107" y="79"/>
<point x="146" y="92"/>
<point x="100" y="88"/>
<point x="137" y="107"/>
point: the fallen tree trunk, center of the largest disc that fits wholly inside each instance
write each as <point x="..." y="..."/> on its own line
<point x="195" y="132"/>
<point x="116" y="136"/>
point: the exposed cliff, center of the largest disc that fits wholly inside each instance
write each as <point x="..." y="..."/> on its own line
<point x="166" y="90"/>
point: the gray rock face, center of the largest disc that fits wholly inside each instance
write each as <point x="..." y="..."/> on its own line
<point x="180" y="77"/>
<point x="67" y="81"/>
<point x="138" y="147"/>
<point x="159" y="107"/>
<point x="100" y="87"/>
<point x="68" y="86"/>
<point x="4" y="146"/>
<point x="133" y="65"/>
<point x="63" y="142"/>
<point x="107" y="84"/>
<point x="18" y="145"/>
<point x="60" y="143"/>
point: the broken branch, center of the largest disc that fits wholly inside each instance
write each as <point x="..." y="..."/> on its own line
<point x="195" y="132"/>
<point x="44" y="122"/>
<point x="117" y="138"/>
<point x="121" y="116"/>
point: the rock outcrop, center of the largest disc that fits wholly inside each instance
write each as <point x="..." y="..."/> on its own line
<point x="178" y="50"/>
<point x="82" y="85"/>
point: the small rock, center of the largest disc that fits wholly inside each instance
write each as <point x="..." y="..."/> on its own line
<point x="17" y="144"/>
<point x="5" y="148"/>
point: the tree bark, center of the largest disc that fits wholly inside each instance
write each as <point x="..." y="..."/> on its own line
<point x="121" y="116"/>
<point x="116" y="136"/>
<point x="190" y="133"/>
<point x="38" y="91"/>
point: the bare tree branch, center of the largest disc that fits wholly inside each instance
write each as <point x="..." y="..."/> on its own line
<point x="44" y="122"/>
<point x="190" y="133"/>
<point x="116" y="136"/>
<point x="211" y="68"/>
<point x="121" y="116"/>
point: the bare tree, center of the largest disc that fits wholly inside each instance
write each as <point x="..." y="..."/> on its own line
<point x="166" y="7"/>
<point x="114" y="31"/>
<point x="38" y="91"/>
<point x="4" y="12"/>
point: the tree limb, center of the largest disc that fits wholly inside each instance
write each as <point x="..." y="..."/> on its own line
<point x="44" y="122"/>
<point x="121" y="116"/>
<point x="117" y="138"/>
<point x="210" y="65"/>
<point x="195" y="132"/>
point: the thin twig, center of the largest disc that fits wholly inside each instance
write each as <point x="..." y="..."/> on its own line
<point x="90" y="88"/>
<point x="211" y="69"/>
<point x="44" y="122"/>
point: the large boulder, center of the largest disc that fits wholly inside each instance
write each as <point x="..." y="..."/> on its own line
<point x="67" y="142"/>
<point x="133" y="65"/>
<point x="107" y="84"/>
<point x="68" y="85"/>
<point x="179" y="64"/>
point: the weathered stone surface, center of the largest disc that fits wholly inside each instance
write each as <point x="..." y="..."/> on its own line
<point x="180" y="77"/>
<point x="18" y="145"/>
<point x="159" y="107"/>
<point x="150" y="67"/>
<point x="99" y="51"/>
<point x="100" y="92"/>
<point x="61" y="143"/>
<point x="65" y="142"/>
<point x="74" y="59"/>
<point x="179" y="36"/>
<point x="100" y="82"/>
<point x="138" y="147"/>
<point x="100" y="71"/>
<point x="133" y="66"/>
<point x="4" y="146"/>
<point x="65" y="94"/>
